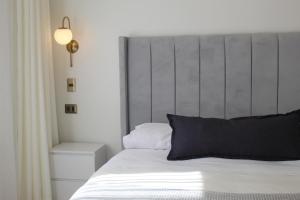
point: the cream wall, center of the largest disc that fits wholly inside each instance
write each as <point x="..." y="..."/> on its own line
<point x="97" y="24"/>
<point x="8" y="188"/>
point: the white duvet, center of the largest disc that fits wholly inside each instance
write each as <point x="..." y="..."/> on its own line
<point x="146" y="174"/>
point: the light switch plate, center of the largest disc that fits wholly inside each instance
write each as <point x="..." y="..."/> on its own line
<point x="71" y="84"/>
<point x="71" y="108"/>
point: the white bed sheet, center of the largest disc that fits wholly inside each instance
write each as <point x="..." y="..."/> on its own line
<point x="139" y="173"/>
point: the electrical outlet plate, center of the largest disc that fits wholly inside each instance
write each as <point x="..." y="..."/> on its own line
<point x="71" y="108"/>
<point x="71" y="85"/>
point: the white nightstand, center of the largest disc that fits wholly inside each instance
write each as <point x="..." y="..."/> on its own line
<point x="72" y="164"/>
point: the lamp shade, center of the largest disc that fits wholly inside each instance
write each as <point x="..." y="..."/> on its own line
<point x="63" y="36"/>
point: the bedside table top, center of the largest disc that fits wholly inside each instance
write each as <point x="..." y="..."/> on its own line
<point x="76" y="148"/>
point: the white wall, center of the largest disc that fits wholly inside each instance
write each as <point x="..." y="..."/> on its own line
<point x="97" y="24"/>
<point x="7" y="157"/>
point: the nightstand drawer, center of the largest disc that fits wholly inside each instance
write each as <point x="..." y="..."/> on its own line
<point x="64" y="189"/>
<point x="72" y="166"/>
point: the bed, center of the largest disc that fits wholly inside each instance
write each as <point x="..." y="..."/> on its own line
<point x="221" y="76"/>
<point x="146" y="174"/>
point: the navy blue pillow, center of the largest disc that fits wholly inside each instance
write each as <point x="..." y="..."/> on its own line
<point x="268" y="138"/>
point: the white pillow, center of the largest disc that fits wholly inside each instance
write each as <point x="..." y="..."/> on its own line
<point x="149" y="136"/>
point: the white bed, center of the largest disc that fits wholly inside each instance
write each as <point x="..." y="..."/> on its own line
<point x="146" y="174"/>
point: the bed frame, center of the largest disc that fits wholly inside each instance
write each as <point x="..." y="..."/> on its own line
<point x="220" y="76"/>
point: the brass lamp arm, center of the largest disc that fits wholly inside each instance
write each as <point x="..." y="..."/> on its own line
<point x="66" y="18"/>
<point x="73" y="46"/>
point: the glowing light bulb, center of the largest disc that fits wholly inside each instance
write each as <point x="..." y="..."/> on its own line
<point x="63" y="36"/>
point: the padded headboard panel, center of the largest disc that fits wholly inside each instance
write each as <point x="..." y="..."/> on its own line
<point x="220" y="76"/>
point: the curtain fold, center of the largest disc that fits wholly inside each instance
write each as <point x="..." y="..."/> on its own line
<point x="35" y="98"/>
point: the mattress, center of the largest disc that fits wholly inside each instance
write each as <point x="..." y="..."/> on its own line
<point x="146" y="174"/>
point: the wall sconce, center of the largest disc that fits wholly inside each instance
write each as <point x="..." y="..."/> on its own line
<point x="64" y="36"/>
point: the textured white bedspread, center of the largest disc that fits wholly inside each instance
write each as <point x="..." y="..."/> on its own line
<point x="146" y="174"/>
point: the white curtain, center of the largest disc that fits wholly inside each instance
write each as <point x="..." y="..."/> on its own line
<point x="35" y="113"/>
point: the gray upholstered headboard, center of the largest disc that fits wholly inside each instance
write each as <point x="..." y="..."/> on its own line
<point x="220" y="76"/>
